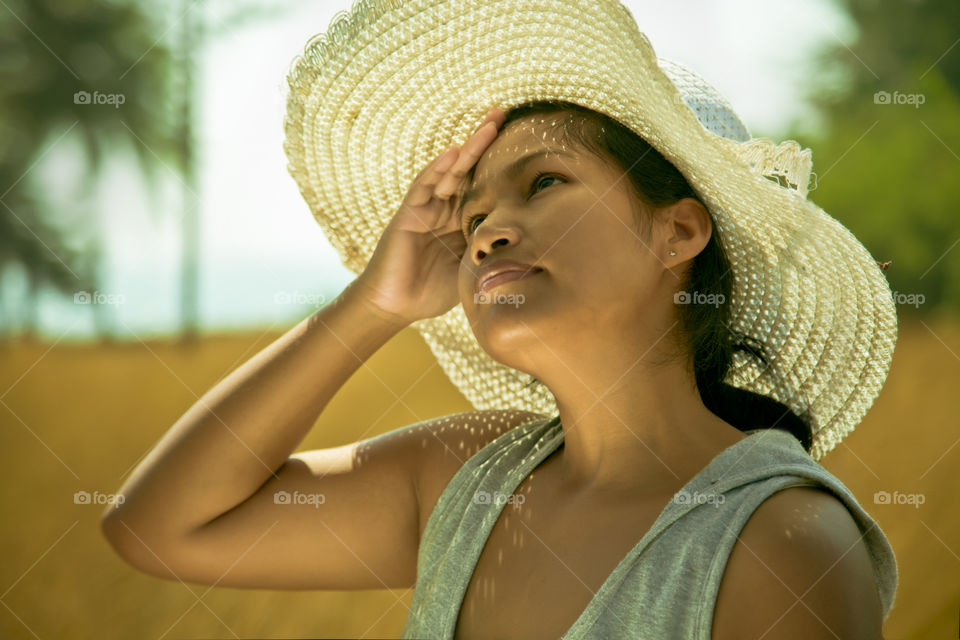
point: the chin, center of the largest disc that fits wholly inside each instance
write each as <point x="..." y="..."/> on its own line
<point x="500" y="334"/>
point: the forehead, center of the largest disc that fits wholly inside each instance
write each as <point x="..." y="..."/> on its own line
<point x="531" y="133"/>
<point x="508" y="152"/>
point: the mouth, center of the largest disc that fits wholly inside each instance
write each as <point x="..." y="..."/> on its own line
<point x="504" y="277"/>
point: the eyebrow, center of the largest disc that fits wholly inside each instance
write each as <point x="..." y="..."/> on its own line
<point x="512" y="172"/>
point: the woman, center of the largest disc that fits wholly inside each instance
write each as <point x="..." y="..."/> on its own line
<point x="635" y="259"/>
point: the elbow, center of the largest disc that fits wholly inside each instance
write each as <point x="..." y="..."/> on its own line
<point x="140" y="546"/>
<point x="110" y="522"/>
<point x="122" y="537"/>
<point x="118" y="534"/>
<point x="115" y="525"/>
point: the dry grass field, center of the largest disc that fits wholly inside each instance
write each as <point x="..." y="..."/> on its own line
<point x="78" y="417"/>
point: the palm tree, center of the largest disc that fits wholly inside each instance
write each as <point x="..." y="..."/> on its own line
<point x="64" y="67"/>
<point x="101" y="71"/>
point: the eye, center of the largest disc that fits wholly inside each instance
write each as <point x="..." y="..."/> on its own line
<point x="468" y="222"/>
<point x="536" y="179"/>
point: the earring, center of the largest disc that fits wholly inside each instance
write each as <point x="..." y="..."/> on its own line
<point x="672" y="252"/>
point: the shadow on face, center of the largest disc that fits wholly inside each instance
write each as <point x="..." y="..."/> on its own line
<point x="538" y="200"/>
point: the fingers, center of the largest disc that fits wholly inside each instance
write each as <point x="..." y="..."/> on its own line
<point x="423" y="187"/>
<point x="441" y="177"/>
<point x="472" y="149"/>
<point x="495" y="115"/>
<point x="467" y="157"/>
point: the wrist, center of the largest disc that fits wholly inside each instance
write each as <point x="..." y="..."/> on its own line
<point x="361" y="293"/>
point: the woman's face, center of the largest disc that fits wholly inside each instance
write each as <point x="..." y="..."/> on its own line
<point x="572" y="216"/>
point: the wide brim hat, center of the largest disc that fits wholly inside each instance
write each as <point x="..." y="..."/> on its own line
<point x="391" y="85"/>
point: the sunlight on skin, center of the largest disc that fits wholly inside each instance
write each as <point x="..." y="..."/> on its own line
<point x="591" y="324"/>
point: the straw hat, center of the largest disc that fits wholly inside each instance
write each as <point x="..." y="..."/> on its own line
<point x="392" y="84"/>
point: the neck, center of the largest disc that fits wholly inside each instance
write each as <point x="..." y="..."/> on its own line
<point x="646" y="431"/>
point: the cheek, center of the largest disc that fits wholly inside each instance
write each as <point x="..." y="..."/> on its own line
<point x="466" y="281"/>
<point x="601" y="241"/>
<point x="608" y="264"/>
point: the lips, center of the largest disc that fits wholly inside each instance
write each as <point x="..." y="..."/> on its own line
<point x="501" y="278"/>
<point x="501" y="271"/>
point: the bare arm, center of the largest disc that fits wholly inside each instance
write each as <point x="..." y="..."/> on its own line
<point x="238" y="435"/>
<point x="203" y="505"/>
<point x="800" y="569"/>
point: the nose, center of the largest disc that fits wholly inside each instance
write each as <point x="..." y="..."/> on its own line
<point x="492" y="232"/>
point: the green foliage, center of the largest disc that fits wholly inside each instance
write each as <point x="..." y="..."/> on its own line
<point x="49" y="51"/>
<point x="887" y="163"/>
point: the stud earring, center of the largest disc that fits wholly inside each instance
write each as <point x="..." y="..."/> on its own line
<point x="672" y="252"/>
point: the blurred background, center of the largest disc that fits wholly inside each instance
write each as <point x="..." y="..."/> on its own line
<point x="151" y="241"/>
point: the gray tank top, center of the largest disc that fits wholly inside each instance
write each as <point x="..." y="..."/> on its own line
<point x="667" y="585"/>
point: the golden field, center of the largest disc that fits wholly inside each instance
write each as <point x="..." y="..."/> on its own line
<point x="78" y="417"/>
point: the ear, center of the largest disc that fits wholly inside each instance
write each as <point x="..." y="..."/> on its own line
<point x="686" y="229"/>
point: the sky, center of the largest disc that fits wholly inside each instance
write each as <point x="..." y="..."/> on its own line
<point x="260" y="245"/>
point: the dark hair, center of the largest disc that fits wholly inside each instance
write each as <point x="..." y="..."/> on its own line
<point x="704" y="328"/>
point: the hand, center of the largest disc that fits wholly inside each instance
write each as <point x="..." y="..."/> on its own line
<point x="413" y="271"/>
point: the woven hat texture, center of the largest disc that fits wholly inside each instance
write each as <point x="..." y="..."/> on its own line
<point x="390" y="85"/>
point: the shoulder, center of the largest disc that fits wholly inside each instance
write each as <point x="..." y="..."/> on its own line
<point x="452" y="440"/>
<point x="800" y="569"/>
<point x="446" y="443"/>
